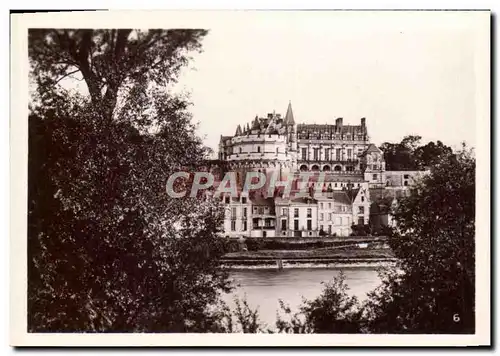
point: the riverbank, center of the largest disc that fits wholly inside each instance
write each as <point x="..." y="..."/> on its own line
<point x="316" y="258"/>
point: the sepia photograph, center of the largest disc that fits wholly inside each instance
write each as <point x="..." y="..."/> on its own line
<point x="262" y="178"/>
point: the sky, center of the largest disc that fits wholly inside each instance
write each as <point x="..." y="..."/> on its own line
<point x="407" y="73"/>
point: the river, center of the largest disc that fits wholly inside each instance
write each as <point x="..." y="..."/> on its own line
<point x="263" y="288"/>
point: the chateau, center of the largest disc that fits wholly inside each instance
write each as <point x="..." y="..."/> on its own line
<point x="355" y="188"/>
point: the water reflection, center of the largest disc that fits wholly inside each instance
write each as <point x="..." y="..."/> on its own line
<point x="263" y="288"/>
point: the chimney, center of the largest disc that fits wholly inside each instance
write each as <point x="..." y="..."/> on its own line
<point x="363" y="122"/>
<point x="338" y="122"/>
<point x="270" y="115"/>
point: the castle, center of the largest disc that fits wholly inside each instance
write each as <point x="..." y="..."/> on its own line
<point x="355" y="189"/>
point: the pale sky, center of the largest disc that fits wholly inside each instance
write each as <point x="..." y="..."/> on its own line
<point x="407" y="73"/>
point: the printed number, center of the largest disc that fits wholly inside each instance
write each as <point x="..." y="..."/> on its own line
<point x="456" y="318"/>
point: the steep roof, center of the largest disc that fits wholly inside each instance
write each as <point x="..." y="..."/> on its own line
<point x="238" y="131"/>
<point x="341" y="197"/>
<point x="384" y="195"/>
<point x="337" y="196"/>
<point x="289" y="119"/>
<point x="372" y="148"/>
<point x="352" y="193"/>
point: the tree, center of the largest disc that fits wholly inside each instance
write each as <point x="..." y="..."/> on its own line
<point x="432" y="290"/>
<point x="410" y="155"/>
<point x="430" y="154"/>
<point x="111" y="62"/>
<point x="334" y="311"/>
<point x="108" y="249"/>
<point x="400" y="156"/>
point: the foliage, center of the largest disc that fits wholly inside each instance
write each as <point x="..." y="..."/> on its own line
<point x="108" y="249"/>
<point x="334" y="311"/>
<point x="410" y="155"/>
<point x="434" y="291"/>
<point x="241" y="319"/>
<point x="111" y="62"/>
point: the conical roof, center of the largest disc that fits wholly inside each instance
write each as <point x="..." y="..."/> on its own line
<point x="289" y="120"/>
<point x="255" y="124"/>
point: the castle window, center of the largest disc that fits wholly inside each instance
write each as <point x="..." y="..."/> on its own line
<point x="316" y="153"/>
<point x="361" y="209"/>
<point x="240" y="150"/>
<point x="296" y="213"/>
<point x="258" y="149"/>
<point x="244" y="226"/>
<point x="233" y="225"/>
<point x="309" y="212"/>
<point x="374" y="177"/>
<point x="277" y="150"/>
<point x="362" y="199"/>
<point x="227" y="200"/>
<point x="243" y="200"/>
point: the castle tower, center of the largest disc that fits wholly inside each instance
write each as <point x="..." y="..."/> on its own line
<point x="373" y="166"/>
<point x="292" y="134"/>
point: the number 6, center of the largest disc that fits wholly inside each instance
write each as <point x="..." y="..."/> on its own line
<point x="456" y="318"/>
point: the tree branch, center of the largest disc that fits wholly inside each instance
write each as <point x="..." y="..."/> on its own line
<point x="66" y="75"/>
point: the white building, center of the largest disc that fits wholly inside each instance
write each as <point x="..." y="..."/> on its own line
<point x="347" y="164"/>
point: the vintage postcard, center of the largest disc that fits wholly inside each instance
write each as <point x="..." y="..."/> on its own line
<point x="250" y="178"/>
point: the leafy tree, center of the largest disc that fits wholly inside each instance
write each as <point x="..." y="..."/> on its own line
<point x="334" y="311"/>
<point x="400" y="156"/>
<point x="111" y="62"/>
<point x="410" y="155"/>
<point x="432" y="290"/>
<point x="108" y="249"/>
<point x="430" y="154"/>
